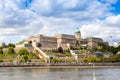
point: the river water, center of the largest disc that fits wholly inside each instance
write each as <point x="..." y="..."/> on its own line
<point x="58" y="73"/>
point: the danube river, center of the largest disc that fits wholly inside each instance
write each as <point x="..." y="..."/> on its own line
<point x="58" y="73"/>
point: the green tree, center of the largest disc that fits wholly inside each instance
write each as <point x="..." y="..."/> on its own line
<point x="1" y="50"/>
<point x="26" y="58"/>
<point x="23" y="51"/>
<point x="103" y="47"/>
<point x="118" y="48"/>
<point x="114" y="50"/>
<point x="11" y="50"/>
<point x="11" y="45"/>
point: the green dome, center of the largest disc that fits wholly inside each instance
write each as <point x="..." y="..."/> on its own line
<point x="77" y="31"/>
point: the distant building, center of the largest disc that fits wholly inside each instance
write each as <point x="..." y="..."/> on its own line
<point x="93" y="42"/>
<point x="63" y="40"/>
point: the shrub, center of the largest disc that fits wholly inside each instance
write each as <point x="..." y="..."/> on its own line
<point x="25" y="58"/>
<point x="85" y="60"/>
<point x="21" y="60"/>
<point x="1" y="51"/>
<point x="98" y="59"/>
<point x="1" y="60"/>
<point x="11" y="45"/>
<point x="11" y="50"/>
<point x="70" y="60"/>
<point x="68" y="55"/>
<point x="55" y="60"/>
<point x="68" y="50"/>
<point x="42" y="60"/>
<point x="23" y="51"/>
<point x="33" y="56"/>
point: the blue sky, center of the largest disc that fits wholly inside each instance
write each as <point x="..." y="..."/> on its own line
<point x="95" y="18"/>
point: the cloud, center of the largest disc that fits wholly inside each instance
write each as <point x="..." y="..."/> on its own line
<point x="2" y="38"/>
<point x="13" y="13"/>
<point x="8" y="31"/>
<point x="108" y="29"/>
<point x="113" y="21"/>
<point x="31" y="17"/>
<point x="108" y="1"/>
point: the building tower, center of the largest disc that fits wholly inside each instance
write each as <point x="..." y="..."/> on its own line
<point x="78" y="35"/>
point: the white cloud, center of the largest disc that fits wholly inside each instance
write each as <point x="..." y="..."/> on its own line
<point x="103" y="29"/>
<point x="5" y="31"/>
<point x="41" y="6"/>
<point x="2" y="38"/>
<point x="67" y="3"/>
<point x="57" y="16"/>
<point x="113" y="21"/>
<point x="109" y="1"/>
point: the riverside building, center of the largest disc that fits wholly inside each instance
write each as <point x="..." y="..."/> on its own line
<point x="62" y="40"/>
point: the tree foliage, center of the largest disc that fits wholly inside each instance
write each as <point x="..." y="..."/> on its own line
<point x="26" y="58"/>
<point x="23" y="51"/>
<point x="103" y="47"/>
<point x="114" y="50"/>
<point x="1" y="50"/>
<point x="11" y="45"/>
<point x="11" y="50"/>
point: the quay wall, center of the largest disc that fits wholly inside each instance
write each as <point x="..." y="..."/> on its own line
<point x="32" y="64"/>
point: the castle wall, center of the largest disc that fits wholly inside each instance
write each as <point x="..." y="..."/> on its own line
<point x="63" y="40"/>
<point x="48" y="42"/>
<point x="93" y="42"/>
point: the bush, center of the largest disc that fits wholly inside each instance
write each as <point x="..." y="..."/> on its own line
<point x="85" y="60"/>
<point x="21" y="60"/>
<point x="54" y="50"/>
<point x="33" y="56"/>
<point x="11" y="45"/>
<point x="11" y="50"/>
<point x="98" y="59"/>
<point x="42" y="60"/>
<point x="89" y="59"/>
<point x="25" y="58"/>
<point x="68" y="55"/>
<point x="1" y="60"/>
<point x="1" y="51"/>
<point x="70" y="60"/>
<point x="55" y="60"/>
<point x="68" y="50"/>
<point x="23" y="51"/>
<point x="113" y="59"/>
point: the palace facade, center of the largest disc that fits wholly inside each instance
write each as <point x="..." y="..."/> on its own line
<point x="63" y="40"/>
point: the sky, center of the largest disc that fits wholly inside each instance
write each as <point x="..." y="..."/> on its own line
<point x="95" y="18"/>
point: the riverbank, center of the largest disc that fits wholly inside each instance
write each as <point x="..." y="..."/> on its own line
<point x="31" y="64"/>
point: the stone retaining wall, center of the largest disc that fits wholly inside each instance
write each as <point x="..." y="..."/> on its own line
<point x="32" y="64"/>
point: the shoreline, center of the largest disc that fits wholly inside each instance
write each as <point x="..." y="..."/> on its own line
<point x="86" y="65"/>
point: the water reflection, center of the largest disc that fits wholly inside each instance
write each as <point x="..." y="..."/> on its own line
<point x="94" y="76"/>
<point x="58" y="73"/>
